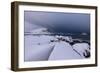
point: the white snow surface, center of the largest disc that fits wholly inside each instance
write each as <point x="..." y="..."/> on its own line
<point x="81" y="47"/>
<point x="63" y="51"/>
<point x="33" y="40"/>
<point x="38" y="52"/>
<point x="37" y="47"/>
<point x="48" y="47"/>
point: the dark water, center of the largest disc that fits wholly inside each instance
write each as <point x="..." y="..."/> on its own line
<point x="84" y="37"/>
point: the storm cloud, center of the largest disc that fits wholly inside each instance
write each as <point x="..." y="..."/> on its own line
<point x="58" y="21"/>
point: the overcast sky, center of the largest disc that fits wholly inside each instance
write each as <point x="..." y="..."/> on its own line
<point x="57" y="21"/>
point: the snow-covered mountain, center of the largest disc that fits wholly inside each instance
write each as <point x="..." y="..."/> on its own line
<point x="40" y="31"/>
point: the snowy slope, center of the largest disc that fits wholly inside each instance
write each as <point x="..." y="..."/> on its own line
<point x="33" y="40"/>
<point x="63" y="51"/>
<point x="38" y="52"/>
<point x="82" y="48"/>
<point x="48" y="47"/>
<point x="38" y="48"/>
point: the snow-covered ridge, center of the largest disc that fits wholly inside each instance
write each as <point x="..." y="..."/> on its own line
<point x="56" y="47"/>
